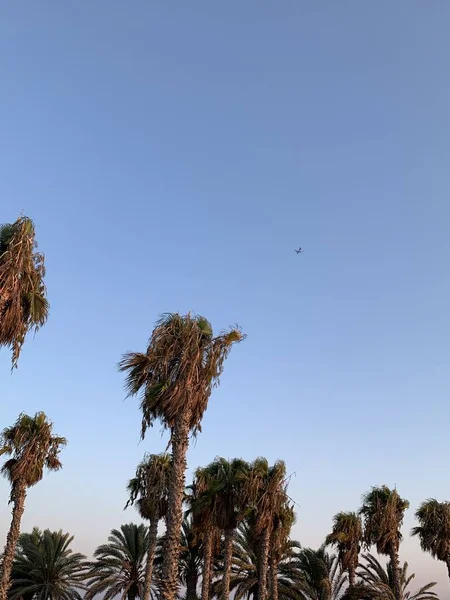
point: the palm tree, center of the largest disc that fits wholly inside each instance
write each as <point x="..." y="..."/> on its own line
<point x="176" y="374"/>
<point x="346" y="536"/>
<point x="323" y="576"/>
<point x="149" y="489"/>
<point x="434" y="529"/>
<point x="226" y="500"/>
<point x="23" y="302"/>
<point x="32" y="447"/>
<point x="266" y="485"/>
<point x="381" y="581"/>
<point x="119" y="566"/>
<point x="45" y="568"/>
<point x="244" y="581"/>
<point x="383" y="511"/>
<point x="205" y="532"/>
<point x="283" y="521"/>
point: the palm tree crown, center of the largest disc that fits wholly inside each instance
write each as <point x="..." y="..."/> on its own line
<point x="119" y="566"/>
<point x="23" y="302"/>
<point x="346" y="536"/>
<point x="45" y="568"/>
<point x="434" y="529"/>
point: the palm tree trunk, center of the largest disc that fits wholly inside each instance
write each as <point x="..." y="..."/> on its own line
<point x="152" y="538"/>
<point x="207" y="566"/>
<point x="225" y="594"/>
<point x="396" y="574"/>
<point x="448" y="566"/>
<point x="351" y="577"/>
<point x="264" y="563"/>
<point x="18" y="495"/>
<point x="273" y="579"/>
<point x="191" y="586"/>
<point x="174" y="519"/>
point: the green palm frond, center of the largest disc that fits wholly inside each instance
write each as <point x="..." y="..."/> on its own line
<point x="149" y="487"/>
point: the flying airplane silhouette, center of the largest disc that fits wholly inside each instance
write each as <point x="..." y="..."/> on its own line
<point x="299" y="251"/>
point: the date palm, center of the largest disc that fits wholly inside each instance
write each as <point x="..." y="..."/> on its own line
<point x="119" y="565"/>
<point x="267" y="492"/>
<point x="175" y="376"/>
<point x="23" y="302"/>
<point x="32" y="447"/>
<point x="45" y="568"/>
<point x="434" y="529"/>
<point x="149" y="490"/>
<point x="323" y="578"/>
<point x="383" y="511"/>
<point x="382" y="585"/>
<point x="346" y="537"/>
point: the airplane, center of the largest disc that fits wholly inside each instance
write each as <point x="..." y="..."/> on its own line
<point x="299" y="251"/>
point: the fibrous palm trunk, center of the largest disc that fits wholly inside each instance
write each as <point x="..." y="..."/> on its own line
<point x="18" y="495"/>
<point x="174" y="519"/>
<point x="263" y="564"/>
<point x="351" y="577"/>
<point x="207" y="565"/>
<point x="191" y="586"/>
<point x="152" y="539"/>
<point x="395" y="574"/>
<point x="273" y="579"/>
<point x="225" y="594"/>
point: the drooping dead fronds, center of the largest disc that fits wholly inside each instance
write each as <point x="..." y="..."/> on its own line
<point x="346" y="536"/>
<point x="149" y="487"/>
<point x="23" y="302"/>
<point x="182" y="364"/>
<point x="434" y="528"/>
<point x="266" y="491"/>
<point x="32" y="447"/>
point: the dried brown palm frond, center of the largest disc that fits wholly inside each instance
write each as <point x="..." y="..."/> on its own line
<point x="23" y="302"/>
<point x="182" y="364"/>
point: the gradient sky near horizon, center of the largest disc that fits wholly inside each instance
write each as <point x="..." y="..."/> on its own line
<point x="173" y="155"/>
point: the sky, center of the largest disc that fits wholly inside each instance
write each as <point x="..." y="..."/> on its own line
<point x="172" y="156"/>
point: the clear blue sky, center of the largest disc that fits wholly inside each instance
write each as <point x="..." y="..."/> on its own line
<point x="173" y="155"/>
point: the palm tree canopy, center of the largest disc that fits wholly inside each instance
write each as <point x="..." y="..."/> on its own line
<point x="434" y="529"/>
<point x="225" y="497"/>
<point x="32" y="447"/>
<point x="182" y="364"/>
<point x="266" y="490"/>
<point x="119" y="565"/>
<point x="149" y="487"/>
<point x="346" y="536"/>
<point x="323" y="576"/>
<point x="45" y="568"/>
<point x="381" y="580"/>
<point x="23" y="302"/>
<point x="383" y="510"/>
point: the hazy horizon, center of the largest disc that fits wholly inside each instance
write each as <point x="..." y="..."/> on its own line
<point x="172" y="157"/>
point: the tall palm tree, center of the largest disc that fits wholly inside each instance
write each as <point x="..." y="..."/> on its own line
<point x="322" y="573"/>
<point x="267" y="490"/>
<point x="283" y="521"/>
<point x="23" y="302"/>
<point x="381" y="581"/>
<point x="32" y="448"/>
<point x="204" y="529"/>
<point x="226" y="500"/>
<point x="346" y="536"/>
<point x="434" y="529"/>
<point x="45" y="567"/>
<point x="149" y="490"/>
<point x="176" y="374"/>
<point x="383" y="511"/>
<point x="244" y="581"/>
<point x="119" y="565"/>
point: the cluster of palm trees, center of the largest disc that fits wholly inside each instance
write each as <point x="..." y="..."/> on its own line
<point x="229" y="531"/>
